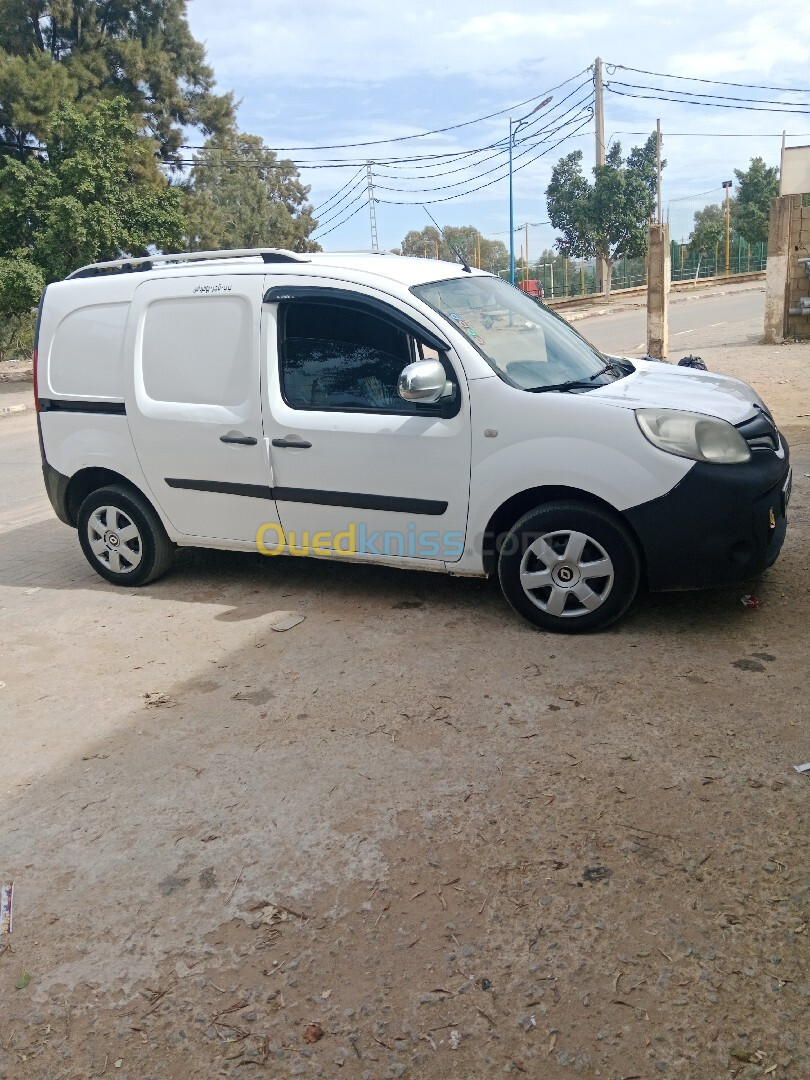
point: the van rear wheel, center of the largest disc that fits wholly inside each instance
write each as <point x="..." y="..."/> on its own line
<point x="569" y="567"/>
<point x="122" y="537"/>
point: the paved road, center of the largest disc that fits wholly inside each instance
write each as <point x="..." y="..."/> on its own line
<point x="697" y="320"/>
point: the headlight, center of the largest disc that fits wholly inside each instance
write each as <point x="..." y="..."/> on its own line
<point x="692" y="435"/>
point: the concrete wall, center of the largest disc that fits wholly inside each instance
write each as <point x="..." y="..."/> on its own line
<point x="798" y="284"/>
<point x="785" y="283"/>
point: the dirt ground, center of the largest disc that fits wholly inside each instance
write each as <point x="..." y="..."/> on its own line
<point x="411" y="836"/>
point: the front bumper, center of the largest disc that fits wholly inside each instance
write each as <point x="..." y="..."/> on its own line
<point x="719" y="525"/>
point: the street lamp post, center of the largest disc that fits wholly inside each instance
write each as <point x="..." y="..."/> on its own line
<point x="511" y="213"/>
<point x="514" y="127"/>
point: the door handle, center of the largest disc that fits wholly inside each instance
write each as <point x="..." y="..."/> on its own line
<point x="295" y="442"/>
<point x="240" y="440"/>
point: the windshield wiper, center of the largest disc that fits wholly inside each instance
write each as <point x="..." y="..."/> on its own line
<point x="573" y="384"/>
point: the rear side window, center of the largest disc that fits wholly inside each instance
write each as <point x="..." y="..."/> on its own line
<point x="198" y="350"/>
<point x="336" y="357"/>
<point x="85" y="355"/>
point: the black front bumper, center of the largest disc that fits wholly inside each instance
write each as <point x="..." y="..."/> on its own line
<point x="719" y="525"/>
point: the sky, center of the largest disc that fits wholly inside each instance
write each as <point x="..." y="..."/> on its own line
<point x="362" y="71"/>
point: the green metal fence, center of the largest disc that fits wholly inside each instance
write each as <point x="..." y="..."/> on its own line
<point x="577" y="277"/>
<point x="744" y="258"/>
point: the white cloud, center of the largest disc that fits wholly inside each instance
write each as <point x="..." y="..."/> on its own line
<point x="764" y="45"/>
<point x="534" y="28"/>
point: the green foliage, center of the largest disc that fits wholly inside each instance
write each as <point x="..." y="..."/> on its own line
<point x="87" y="51"/>
<point x="757" y="187"/>
<point x="709" y="230"/>
<point x="464" y="238"/>
<point x="241" y="195"/>
<point x="84" y="200"/>
<point x="609" y="217"/>
<point x="17" y="336"/>
<point x="21" y="285"/>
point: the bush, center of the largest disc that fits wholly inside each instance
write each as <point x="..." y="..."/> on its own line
<point x="21" y="285"/>
<point x="17" y="336"/>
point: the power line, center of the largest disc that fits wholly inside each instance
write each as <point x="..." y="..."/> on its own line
<point x="489" y="183"/>
<point x="723" y="134"/>
<point x="407" y="138"/>
<point x="703" y="94"/>
<point x="435" y="159"/>
<point x="361" y="197"/>
<point x="351" y="191"/>
<point x="495" y="168"/>
<point x="343" y="222"/>
<point x="713" y="82"/>
<point x="699" y="195"/>
<point x="322" y="205"/>
<point x="706" y="104"/>
<point x="501" y="144"/>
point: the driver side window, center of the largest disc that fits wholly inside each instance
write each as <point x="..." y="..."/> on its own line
<point x="336" y="357"/>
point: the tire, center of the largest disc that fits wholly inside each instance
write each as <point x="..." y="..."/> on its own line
<point x="122" y="537"/>
<point x="569" y="567"/>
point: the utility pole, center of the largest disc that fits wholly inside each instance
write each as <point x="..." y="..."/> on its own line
<point x="727" y="186"/>
<point x="511" y="213"/>
<point x="371" y="211"/>
<point x="659" y="272"/>
<point x="599" y="116"/>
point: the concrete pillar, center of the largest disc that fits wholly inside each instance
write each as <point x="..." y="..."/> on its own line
<point x="602" y="277"/>
<point x="658" y="277"/>
<point x="777" y="270"/>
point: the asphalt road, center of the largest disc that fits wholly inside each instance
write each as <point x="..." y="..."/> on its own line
<point x="705" y="318"/>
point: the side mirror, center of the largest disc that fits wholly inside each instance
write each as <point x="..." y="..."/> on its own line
<point x="423" y="381"/>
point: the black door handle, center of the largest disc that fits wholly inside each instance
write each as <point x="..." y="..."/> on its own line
<point x="294" y="442"/>
<point x="241" y="440"/>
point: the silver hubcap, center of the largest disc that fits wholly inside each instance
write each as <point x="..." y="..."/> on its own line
<point x="566" y="574"/>
<point x="114" y="539"/>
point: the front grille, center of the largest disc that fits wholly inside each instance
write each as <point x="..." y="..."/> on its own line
<point x="760" y="432"/>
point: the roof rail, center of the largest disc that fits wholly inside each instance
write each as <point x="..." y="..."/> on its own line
<point x="125" y="266"/>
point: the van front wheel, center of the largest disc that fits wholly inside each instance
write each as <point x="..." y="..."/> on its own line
<point x="569" y="567"/>
<point x="122" y="537"/>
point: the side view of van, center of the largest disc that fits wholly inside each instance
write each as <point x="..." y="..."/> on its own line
<point x="393" y="410"/>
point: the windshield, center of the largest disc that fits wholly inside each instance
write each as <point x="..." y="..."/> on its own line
<point x="523" y="341"/>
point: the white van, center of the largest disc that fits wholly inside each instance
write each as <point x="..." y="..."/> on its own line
<point x="398" y="411"/>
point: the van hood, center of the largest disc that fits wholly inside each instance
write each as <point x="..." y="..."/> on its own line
<point x="663" y="386"/>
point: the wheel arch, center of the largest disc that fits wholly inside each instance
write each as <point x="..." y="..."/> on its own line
<point x="522" y="502"/>
<point x="85" y="481"/>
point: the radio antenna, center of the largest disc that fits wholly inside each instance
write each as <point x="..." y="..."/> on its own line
<point x="455" y="250"/>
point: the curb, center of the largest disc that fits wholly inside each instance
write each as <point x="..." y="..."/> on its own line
<point x="9" y="410"/>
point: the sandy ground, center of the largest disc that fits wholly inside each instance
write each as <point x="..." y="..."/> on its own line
<point x="411" y="836"/>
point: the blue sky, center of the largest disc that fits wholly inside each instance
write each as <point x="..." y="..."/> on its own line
<point x="357" y="70"/>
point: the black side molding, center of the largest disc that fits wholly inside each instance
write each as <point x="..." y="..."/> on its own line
<point x="253" y="491"/>
<point x="108" y="408"/>
<point x="354" y="499"/>
<point x="360" y="501"/>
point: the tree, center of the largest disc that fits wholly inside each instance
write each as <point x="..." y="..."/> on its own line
<point x="241" y="195"/>
<point x="709" y="230"/>
<point x="80" y="201"/>
<point x="609" y="217"/>
<point x="87" y="51"/>
<point x="757" y="186"/>
<point x="430" y="244"/>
